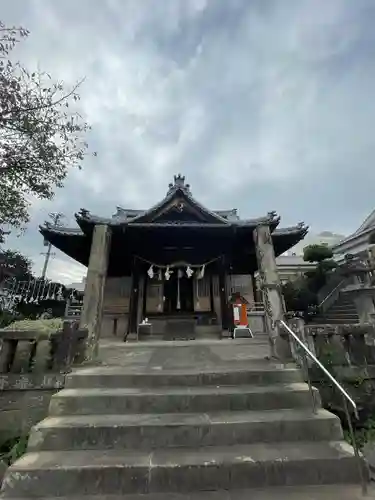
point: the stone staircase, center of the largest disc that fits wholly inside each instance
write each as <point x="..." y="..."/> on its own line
<point x="229" y="425"/>
<point x="343" y="311"/>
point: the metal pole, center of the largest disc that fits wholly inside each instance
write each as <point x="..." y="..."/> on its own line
<point x="56" y="217"/>
<point x="46" y="261"/>
<point x="360" y="463"/>
<point x="311" y="389"/>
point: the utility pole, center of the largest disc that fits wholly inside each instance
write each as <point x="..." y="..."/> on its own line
<point x="55" y="218"/>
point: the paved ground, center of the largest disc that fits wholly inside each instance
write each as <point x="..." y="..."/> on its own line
<point x="199" y="354"/>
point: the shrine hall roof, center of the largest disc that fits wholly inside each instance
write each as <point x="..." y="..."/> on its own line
<point x="175" y="216"/>
<point x="177" y="208"/>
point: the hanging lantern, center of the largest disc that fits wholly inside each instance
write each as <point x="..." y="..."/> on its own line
<point x="160" y="275"/>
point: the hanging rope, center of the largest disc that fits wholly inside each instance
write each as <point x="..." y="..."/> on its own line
<point x="177" y="264"/>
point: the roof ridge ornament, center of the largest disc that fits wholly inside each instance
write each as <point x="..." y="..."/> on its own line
<point x="178" y="183"/>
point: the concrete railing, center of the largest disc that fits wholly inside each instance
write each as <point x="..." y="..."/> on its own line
<point x="344" y="345"/>
<point x="25" y="351"/>
<point x="33" y="366"/>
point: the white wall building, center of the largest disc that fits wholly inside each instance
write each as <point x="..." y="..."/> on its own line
<point x="79" y="286"/>
<point x="358" y="242"/>
<point x="324" y="238"/>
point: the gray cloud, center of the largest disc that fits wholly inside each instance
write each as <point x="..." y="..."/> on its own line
<point x="262" y="105"/>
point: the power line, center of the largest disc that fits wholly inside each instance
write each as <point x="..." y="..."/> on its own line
<point x="55" y="218"/>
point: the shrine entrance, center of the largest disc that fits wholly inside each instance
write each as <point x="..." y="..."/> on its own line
<point x="178" y="293"/>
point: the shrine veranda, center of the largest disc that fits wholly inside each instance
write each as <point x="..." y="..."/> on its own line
<point x="177" y="259"/>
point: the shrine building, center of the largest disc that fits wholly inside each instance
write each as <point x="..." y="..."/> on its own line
<point x="177" y="259"/>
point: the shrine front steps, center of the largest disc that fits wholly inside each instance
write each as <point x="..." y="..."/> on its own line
<point x="200" y="399"/>
<point x="257" y="372"/>
<point x="336" y="492"/>
<point x="116" y="431"/>
<point x="182" y="430"/>
<point x="111" y="472"/>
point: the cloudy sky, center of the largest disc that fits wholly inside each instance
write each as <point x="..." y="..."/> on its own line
<point x="262" y="104"/>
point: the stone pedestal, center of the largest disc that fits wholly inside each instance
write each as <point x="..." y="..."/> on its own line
<point x="363" y="297"/>
<point x="272" y="295"/>
<point x="91" y="317"/>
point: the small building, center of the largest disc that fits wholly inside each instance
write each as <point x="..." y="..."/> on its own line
<point x="177" y="258"/>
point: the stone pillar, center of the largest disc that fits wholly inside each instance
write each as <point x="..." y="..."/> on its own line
<point x="92" y="311"/>
<point x="364" y="303"/>
<point x="271" y="290"/>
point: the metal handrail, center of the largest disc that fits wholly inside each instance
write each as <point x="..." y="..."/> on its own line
<point x="322" y="367"/>
<point x="331" y="292"/>
<point x="346" y="398"/>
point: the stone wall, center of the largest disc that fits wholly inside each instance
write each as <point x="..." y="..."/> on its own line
<point x="24" y="401"/>
<point x="32" y="368"/>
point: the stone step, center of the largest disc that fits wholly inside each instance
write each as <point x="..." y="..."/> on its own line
<point x="119" y="472"/>
<point x="341" y="313"/>
<point x="180" y="399"/>
<point x="335" y="492"/>
<point x="337" y="321"/>
<point x="182" y="430"/>
<point x="113" y="376"/>
<point x="343" y="307"/>
<point x="340" y="319"/>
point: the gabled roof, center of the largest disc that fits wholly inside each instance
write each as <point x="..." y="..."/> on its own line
<point x="178" y="207"/>
<point x="367" y="226"/>
<point x="180" y="198"/>
<point x="368" y="223"/>
<point x="176" y="217"/>
<point x="130" y="213"/>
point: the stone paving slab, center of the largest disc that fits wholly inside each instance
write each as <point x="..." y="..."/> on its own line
<point x="175" y="354"/>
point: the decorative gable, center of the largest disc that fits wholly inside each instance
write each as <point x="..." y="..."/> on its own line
<point x="179" y="206"/>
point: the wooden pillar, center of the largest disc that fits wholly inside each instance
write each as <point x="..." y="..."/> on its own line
<point x="92" y="311"/>
<point x="271" y="291"/>
<point x="141" y="286"/>
<point x="223" y="297"/>
<point x="145" y="290"/>
<point x="212" y="307"/>
<point x="134" y="294"/>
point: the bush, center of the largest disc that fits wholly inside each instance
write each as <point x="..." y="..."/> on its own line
<point x="317" y="253"/>
<point x="13" y="449"/>
<point x="41" y="325"/>
<point x="7" y="318"/>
